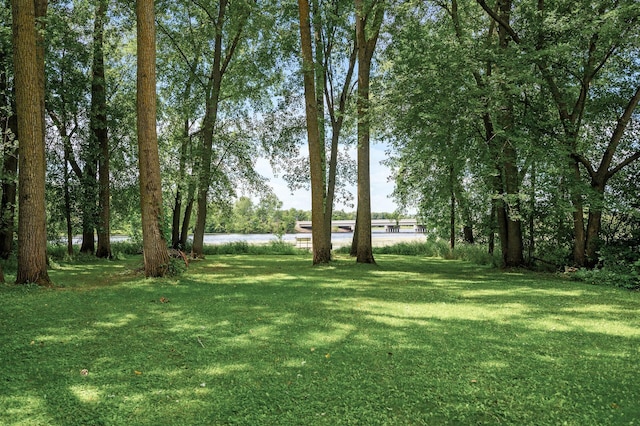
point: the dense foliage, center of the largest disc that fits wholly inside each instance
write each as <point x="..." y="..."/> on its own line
<point x="509" y="124"/>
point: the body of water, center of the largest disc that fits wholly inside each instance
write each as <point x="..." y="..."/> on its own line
<point x="338" y="239"/>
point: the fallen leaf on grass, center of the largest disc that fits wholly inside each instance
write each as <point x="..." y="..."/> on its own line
<point x="137" y="373"/>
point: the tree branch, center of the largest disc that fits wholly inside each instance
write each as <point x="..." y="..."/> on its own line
<point x="514" y="36"/>
<point x="192" y="66"/>
<point x="621" y="126"/>
<point x="205" y="10"/>
<point x="585" y="162"/>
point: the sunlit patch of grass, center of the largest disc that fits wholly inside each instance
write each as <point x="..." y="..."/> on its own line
<point x="246" y="339"/>
<point x="86" y="393"/>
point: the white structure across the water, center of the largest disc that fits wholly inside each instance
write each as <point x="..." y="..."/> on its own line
<point x="389" y="225"/>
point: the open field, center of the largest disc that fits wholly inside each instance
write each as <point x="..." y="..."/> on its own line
<point x="271" y="340"/>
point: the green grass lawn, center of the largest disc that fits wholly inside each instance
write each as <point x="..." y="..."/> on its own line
<point x="271" y="340"/>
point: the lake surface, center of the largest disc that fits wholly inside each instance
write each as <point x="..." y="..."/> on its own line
<point x="338" y="239"/>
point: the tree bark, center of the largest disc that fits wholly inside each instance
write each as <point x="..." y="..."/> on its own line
<point x="29" y="81"/>
<point x="156" y="255"/>
<point x="366" y="39"/>
<point x="321" y="239"/>
<point x="99" y="129"/>
<point x="184" y="231"/>
<point x="218" y="69"/>
<point x="177" y="205"/>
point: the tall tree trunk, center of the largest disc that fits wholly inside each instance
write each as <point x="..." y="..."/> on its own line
<point x="99" y="128"/>
<point x="89" y="187"/>
<point x="320" y="74"/>
<point x="321" y="238"/>
<point x="337" y="121"/>
<point x="204" y="180"/>
<point x="29" y="81"/>
<point x="513" y="249"/>
<point x="366" y="39"/>
<point x="156" y="255"/>
<point x="218" y="69"/>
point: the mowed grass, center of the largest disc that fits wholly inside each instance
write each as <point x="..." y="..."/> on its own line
<point x="271" y="340"/>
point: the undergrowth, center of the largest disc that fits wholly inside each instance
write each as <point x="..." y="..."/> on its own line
<point x="476" y="254"/>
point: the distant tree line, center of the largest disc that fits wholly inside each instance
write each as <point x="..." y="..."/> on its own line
<point x="265" y="216"/>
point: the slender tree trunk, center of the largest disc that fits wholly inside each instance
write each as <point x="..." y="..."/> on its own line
<point x="320" y="85"/>
<point x="29" y="82"/>
<point x="66" y="137"/>
<point x="366" y="39"/>
<point x="175" y="220"/>
<point x="467" y="227"/>
<point x="99" y="127"/>
<point x="184" y="232"/>
<point x="579" y="234"/>
<point x="321" y="239"/>
<point x="337" y="121"/>
<point x="594" y="225"/>
<point x="177" y="205"/>
<point x="492" y="229"/>
<point x="67" y="207"/>
<point x="532" y="208"/>
<point x="452" y="221"/>
<point x="452" y="209"/>
<point x="156" y="255"/>
<point x="514" y="255"/>
<point x="208" y="128"/>
<point x="513" y="249"/>
<point x="9" y="186"/>
<point x="89" y="197"/>
<point x="204" y="180"/>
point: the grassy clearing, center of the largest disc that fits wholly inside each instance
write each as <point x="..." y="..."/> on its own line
<point x="271" y="340"/>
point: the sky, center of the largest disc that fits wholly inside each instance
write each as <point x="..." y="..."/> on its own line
<point x="381" y="186"/>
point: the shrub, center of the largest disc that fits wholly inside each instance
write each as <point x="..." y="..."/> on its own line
<point x="629" y="279"/>
<point x="242" y="247"/>
<point x="438" y="248"/>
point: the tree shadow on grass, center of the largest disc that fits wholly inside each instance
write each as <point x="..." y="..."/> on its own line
<point x="271" y="340"/>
